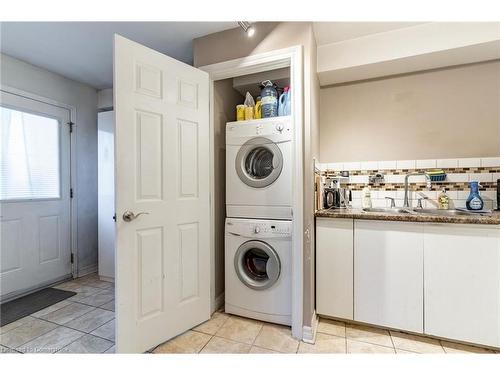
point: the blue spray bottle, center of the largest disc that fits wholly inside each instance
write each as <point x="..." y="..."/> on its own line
<point x="474" y="201"/>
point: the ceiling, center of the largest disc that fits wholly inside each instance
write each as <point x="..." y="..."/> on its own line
<point x="83" y="51"/>
<point x="333" y="32"/>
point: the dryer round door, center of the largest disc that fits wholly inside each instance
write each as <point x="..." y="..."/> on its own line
<point x="259" y="162"/>
<point x="257" y="265"/>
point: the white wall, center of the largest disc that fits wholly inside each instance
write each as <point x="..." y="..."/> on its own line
<point x="23" y="76"/>
<point x="105" y="99"/>
<point x="445" y="113"/>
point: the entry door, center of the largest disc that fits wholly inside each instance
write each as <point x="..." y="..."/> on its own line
<point x="162" y="196"/>
<point x="34" y="194"/>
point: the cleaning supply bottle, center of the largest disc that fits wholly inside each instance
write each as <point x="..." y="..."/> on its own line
<point x="282" y="102"/>
<point x="258" y="108"/>
<point x="240" y="112"/>
<point x="269" y="99"/>
<point x="474" y="201"/>
<point x="443" y="200"/>
<point x="288" y="106"/>
<point x="366" y="196"/>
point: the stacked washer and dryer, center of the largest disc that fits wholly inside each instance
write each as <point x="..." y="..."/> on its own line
<point x="258" y="232"/>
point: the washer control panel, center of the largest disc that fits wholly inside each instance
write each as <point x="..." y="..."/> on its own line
<point x="259" y="228"/>
<point x="261" y="127"/>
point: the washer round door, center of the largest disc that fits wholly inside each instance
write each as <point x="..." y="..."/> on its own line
<point x="259" y="162"/>
<point x="257" y="265"/>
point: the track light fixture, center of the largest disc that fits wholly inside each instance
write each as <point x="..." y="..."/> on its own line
<point x="247" y="27"/>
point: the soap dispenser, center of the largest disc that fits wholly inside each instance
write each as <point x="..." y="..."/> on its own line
<point x="474" y="201"/>
<point x="366" y="200"/>
<point x="443" y="200"/>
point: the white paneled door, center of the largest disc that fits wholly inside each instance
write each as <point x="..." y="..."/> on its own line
<point x="162" y="196"/>
<point x="34" y="194"/>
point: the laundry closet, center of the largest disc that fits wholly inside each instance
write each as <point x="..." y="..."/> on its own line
<point x="252" y="202"/>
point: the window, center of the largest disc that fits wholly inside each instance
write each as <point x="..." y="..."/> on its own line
<point x="29" y="156"/>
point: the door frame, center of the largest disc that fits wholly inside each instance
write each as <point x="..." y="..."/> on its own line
<point x="291" y="57"/>
<point x="73" y="164"/>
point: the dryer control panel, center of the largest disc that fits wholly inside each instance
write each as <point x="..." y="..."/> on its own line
<point x="253" y="228"/>
<point x="280" y="128"/>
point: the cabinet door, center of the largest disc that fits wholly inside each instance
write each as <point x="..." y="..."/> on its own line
<point x="462" y="282"/>
<point x="388" y="274"/>
<point x="334" y="267"/>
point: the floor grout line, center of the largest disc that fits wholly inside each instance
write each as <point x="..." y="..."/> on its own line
<point x="393" y="343"/>
<point x="62" y="325"/>
<point x="205" y="343"/>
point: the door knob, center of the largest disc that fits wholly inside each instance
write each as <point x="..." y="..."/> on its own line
<point x="129" y="215"/>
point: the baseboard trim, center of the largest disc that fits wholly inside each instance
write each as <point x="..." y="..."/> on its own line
<point x="87" y="270"/>
<point x="106" y="278"/>
<point x="309" y="332"/>
<point x="218" y="302"/>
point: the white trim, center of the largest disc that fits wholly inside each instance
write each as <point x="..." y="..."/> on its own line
<point x="73" y="163"/>
<point x="309" y="333"/>
<point x="219" y="302"/>
<point x="106" y="278"/>
<point x="213" y="297"/>
<point x="251" y="64"/>
<point x="87" y="270"/>
<point x="292" y="57"/>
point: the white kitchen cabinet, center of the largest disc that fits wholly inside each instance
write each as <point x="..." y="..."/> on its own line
<point x="334" y="267"/>
<point x="388" y="274"/>
<point x="462" y="282"/>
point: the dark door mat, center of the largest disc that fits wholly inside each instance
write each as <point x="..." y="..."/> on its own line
<point x="27" y="305"/>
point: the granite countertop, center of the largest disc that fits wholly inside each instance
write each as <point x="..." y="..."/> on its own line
<point x="353" y="213"/>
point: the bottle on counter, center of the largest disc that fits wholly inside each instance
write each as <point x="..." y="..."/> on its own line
<point x="474" y="201"/>
<point x="366" y="197"/>
<point x="443" y="200"/>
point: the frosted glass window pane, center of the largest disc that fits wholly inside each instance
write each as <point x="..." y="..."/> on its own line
<point x="29" y="156"/>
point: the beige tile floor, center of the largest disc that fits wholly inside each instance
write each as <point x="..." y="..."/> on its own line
<point x="225" y="333"/>
<point x="83" y="323"/>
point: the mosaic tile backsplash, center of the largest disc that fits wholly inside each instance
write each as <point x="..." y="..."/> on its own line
<point x="459" y="172"/>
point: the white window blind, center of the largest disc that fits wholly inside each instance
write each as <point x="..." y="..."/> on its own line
<point x="29" y="156"/>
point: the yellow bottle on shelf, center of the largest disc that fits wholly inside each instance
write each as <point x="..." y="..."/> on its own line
<point x="258" y="107"/>
<point x="240" y="112"/>
<point x="249" y="113"/>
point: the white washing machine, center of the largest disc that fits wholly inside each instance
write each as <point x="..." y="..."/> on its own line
<point x="258" y="269"/>
<point x="259" y="168"/>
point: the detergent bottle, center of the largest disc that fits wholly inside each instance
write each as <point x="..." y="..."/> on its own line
<point x="474" y="201"/>
<point x="283" y="102"/>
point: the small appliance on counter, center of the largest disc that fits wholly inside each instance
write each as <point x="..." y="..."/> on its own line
<point x="336" y="196"/>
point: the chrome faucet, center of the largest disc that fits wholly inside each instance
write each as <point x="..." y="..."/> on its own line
<point x="406" y="203"/>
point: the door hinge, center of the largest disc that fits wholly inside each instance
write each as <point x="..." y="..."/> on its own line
<point x="72" y="258"/>
<point x="114" y="217"/>
<point x="70" y="124"/>
<point x="71" y="192"/>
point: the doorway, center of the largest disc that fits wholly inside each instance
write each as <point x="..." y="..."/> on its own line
<point x="35" y="194"/>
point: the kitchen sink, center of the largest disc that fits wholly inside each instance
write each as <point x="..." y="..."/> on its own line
<point x="390" y="210"/>
<point x="451" y="212"/>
